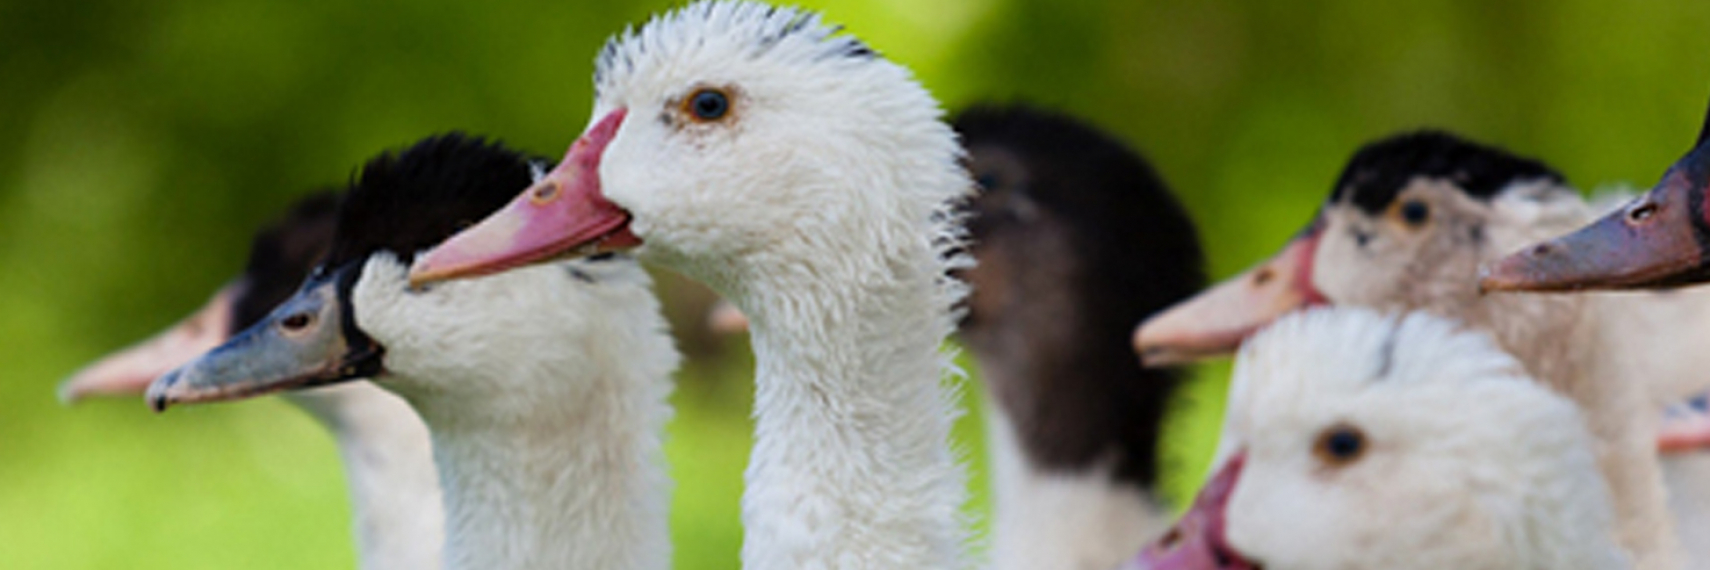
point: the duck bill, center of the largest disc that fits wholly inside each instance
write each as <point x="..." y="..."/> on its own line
<point x="1659" y="241"/>
<point x="128" y="372"/>
<point x="306" y="341"/>
<point x="1199" y="541"/>
<point x="562" y="214"/>
<point x="1216" y="321"/>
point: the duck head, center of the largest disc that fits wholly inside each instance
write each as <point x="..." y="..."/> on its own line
<point x="1405" y="227"/>
<point x="1376" y="441"/>
<point x="356" y="307"/>
<point x="723" y="132"/>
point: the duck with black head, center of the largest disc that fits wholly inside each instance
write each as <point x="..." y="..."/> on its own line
<point x="394" y="491"/>
<point x="543" y="390"/>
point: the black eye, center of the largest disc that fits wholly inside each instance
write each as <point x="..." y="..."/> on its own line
<point x="297" y="322"/>
<point x="1340" y="445"/>
<point x="709" y="104"/>
<point x="1415" y="212"/>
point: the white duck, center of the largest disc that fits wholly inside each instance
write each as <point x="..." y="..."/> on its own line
<point x="543" y="390"/>
<point x="810" y="181"/>
<point x="394" y="491"/>
<point x="1406" y="226"/>
<point x="1372" y="441"/>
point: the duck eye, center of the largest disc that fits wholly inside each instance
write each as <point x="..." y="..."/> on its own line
<point x="297" y="322"/>
<point x="1340" y="445"/>
<point x="1415" y="212"/>
<point x="709" y="104"/>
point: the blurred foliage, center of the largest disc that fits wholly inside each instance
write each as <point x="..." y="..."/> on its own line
<point x="146" y="140"/>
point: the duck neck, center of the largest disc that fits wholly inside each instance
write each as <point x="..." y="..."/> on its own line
<point x="541" y="480"/>
<point x="1074" y="447"/>
<point x="394" y="493"/>
<point x="851" y="466"/>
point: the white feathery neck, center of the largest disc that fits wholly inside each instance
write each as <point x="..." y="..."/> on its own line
<point x="395" y="504"/>
<point x="544" y="392"/>
<point x="852" y="423"/>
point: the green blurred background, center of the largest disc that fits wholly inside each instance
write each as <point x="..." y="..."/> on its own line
<point x="143" y="141"/>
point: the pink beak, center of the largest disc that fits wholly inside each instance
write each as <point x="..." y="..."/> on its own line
<point x="1215" y="322"/>
<point x="1198" y="542"/>
<point x="564" y="213"/>
<point x="128" y="372"/>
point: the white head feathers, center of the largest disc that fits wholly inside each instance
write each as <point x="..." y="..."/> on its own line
<point x="1448" y="455"/>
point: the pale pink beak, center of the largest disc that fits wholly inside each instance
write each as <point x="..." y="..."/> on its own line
<point x="128" y="372"/>
<point x="564" y="214"/>
<point x="1215" y="322"/>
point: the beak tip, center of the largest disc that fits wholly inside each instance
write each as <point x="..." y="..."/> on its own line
<point x="68" y="393"/>
<point x="158" y="402"/>
<point x="159" y="394"/>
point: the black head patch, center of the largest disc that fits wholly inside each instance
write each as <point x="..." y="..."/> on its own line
<point x="1131" y="251"/>
<point x="1381" y="170"/>
<point x="414" y="199"/>
<point x="282" y="255"/>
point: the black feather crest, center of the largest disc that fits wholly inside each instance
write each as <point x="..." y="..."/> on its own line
<point x="412" y="200"/>
<point x="1381" y="170"/>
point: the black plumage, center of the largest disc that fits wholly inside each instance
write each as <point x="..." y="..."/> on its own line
<point x="282" y="255"/>
<point x="411" y="200"/>
<point x="1078" y="240"/>
<point x="1379" y="171"/>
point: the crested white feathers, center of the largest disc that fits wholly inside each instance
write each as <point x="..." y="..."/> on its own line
<point x="1466" y="462"/>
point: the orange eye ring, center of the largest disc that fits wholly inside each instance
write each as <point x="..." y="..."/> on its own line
<point x="707" y="104"/>
<point x="1340" y="445"/>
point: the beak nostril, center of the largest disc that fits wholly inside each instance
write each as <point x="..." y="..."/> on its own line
<point x="1263" y="276"/>
<point x="1542" y="249"/>
<point x="1642" y="213"/>
<point x="545" y="192"/>
<point x="1170" y="540"/>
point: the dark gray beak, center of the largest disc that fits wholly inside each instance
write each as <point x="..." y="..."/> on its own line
<point x="309" y="340"/>
<point x="1659" y="241"/>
